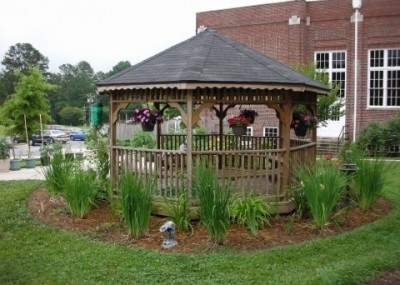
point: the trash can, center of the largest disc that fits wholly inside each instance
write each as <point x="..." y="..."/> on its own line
<point x="96" y="113"/>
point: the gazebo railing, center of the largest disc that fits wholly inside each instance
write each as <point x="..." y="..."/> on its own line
<point x="256" y="170"/>
<point x="250" y="170"/>
<point x="212" y="142"/>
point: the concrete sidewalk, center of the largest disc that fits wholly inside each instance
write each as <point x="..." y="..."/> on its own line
<point x="23" y="174"/>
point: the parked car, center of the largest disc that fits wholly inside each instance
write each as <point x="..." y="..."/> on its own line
<point x="69" y="131"/>
<point x="54" y="127"/>
<point x="37" y="139"/>
<point x="18" y="139"/>
<point x="57" y="136"/>
<point x="78" y="135"/>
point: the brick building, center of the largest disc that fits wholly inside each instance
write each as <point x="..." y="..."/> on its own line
<point x="325" y="32"/>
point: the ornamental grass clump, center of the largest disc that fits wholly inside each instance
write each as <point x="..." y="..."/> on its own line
<point x="251" y="211"/>
<point x="322" y="184"/>
<point x="135" y="199"/>
<point x="368" y="181"/>
<point x="213" y="202"/>
<point x="58" y="171"/>
<point x="80" y="191"/>
<point x="178" y="210"/>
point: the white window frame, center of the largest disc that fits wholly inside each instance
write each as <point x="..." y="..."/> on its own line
<point x="271" y="128"/>
<point x="385" y="69"/>
<point x="249" y="131"/>
<point x="330" y="70"/>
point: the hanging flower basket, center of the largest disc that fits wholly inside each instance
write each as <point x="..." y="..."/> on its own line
<point x="302" y="122"/>
<point x="147" y="117"/>
<point x="249" y="114"/>
<point x="239" y="130"/>
<point x="147" y="127"/>
<point x="301" y="131"/>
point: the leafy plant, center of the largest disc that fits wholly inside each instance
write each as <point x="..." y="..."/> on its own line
<point x="213" y="202"/>
<point x="98" y="142"/>
<point x="58" y="171"/>
<point x="377" y="138"/>
<point x="80" y="191"/>
<point x="4" y="148"/>
<point x="142" y="139"/>
<point x="300" y="202"/>
<point x="135" y="200"/>
<point x="369" y="180"/>
<point x="251" y="211"/>
<point x="322" y="184"/>
<point x="178" y="210"/>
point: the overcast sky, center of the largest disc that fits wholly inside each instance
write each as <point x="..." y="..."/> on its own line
<point x="103" y="32"/>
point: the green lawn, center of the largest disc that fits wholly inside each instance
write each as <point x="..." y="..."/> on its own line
<point x="31" y="253"/>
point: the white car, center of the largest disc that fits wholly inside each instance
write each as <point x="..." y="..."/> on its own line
<point x="57" y="136"/>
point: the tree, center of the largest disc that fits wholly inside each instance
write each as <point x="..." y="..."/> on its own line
<point x="331" y="106"/>
<point x="76" y="82"/>
<point x="122" y="65"/>
<point x="20" y="58"/>
<point x="72" y="116"/>
<point x="29" y="101"/>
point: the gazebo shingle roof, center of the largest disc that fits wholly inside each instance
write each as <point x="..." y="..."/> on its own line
<point x="213" y="58"/>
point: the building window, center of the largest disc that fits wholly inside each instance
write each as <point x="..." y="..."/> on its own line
<point x="333" y="63"/>
<point x="384" y="78"/>
<point x="249" y="131"/>
<point x="270" y="132"/>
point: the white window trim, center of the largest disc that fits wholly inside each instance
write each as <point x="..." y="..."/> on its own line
<point x="330" y="70"/>
<point x="385" y="69"/>
<point x="249" y="128"/>
<point x="270" y="127"/>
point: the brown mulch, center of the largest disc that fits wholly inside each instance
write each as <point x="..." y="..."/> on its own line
<point x="102" y="223"/>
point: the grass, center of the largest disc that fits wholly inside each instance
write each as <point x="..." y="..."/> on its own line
<point x="31" y="253"/>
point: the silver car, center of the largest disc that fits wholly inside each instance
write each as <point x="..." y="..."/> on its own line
<point x="57" y="136"/>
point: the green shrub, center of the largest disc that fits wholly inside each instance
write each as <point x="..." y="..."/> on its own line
<point x="80" y="191"/>
<point x="377" y="138"/>
<point x="135" y="201"/>
<point x="368" y="181"/>
<point x="251" y="211"/>
<point x="322" y="185"/>
<point x="143" y="139"/>
<point x="213" y="202"/>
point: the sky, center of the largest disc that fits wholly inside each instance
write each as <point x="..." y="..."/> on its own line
<point x="103" y="32"/>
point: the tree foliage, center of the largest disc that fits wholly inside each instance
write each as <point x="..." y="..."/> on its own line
<point x="122" y="65"/>
<point x="72" y="116"/>
<point x="22" y="57"/>
<point x="19" y="58"/>
<point x="76" y="83"/>
<point x="329" y="107"/>
<point x="28" y="101"/>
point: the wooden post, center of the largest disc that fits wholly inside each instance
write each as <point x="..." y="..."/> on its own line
<point x="189" y="138"/>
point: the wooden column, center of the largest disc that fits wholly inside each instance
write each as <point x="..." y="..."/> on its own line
<point x="189" y="138"/>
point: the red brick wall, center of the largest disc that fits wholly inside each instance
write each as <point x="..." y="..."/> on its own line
<point x="266" y="29"/>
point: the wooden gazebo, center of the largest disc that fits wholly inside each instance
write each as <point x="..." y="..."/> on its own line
<point x="212" y="71"/>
